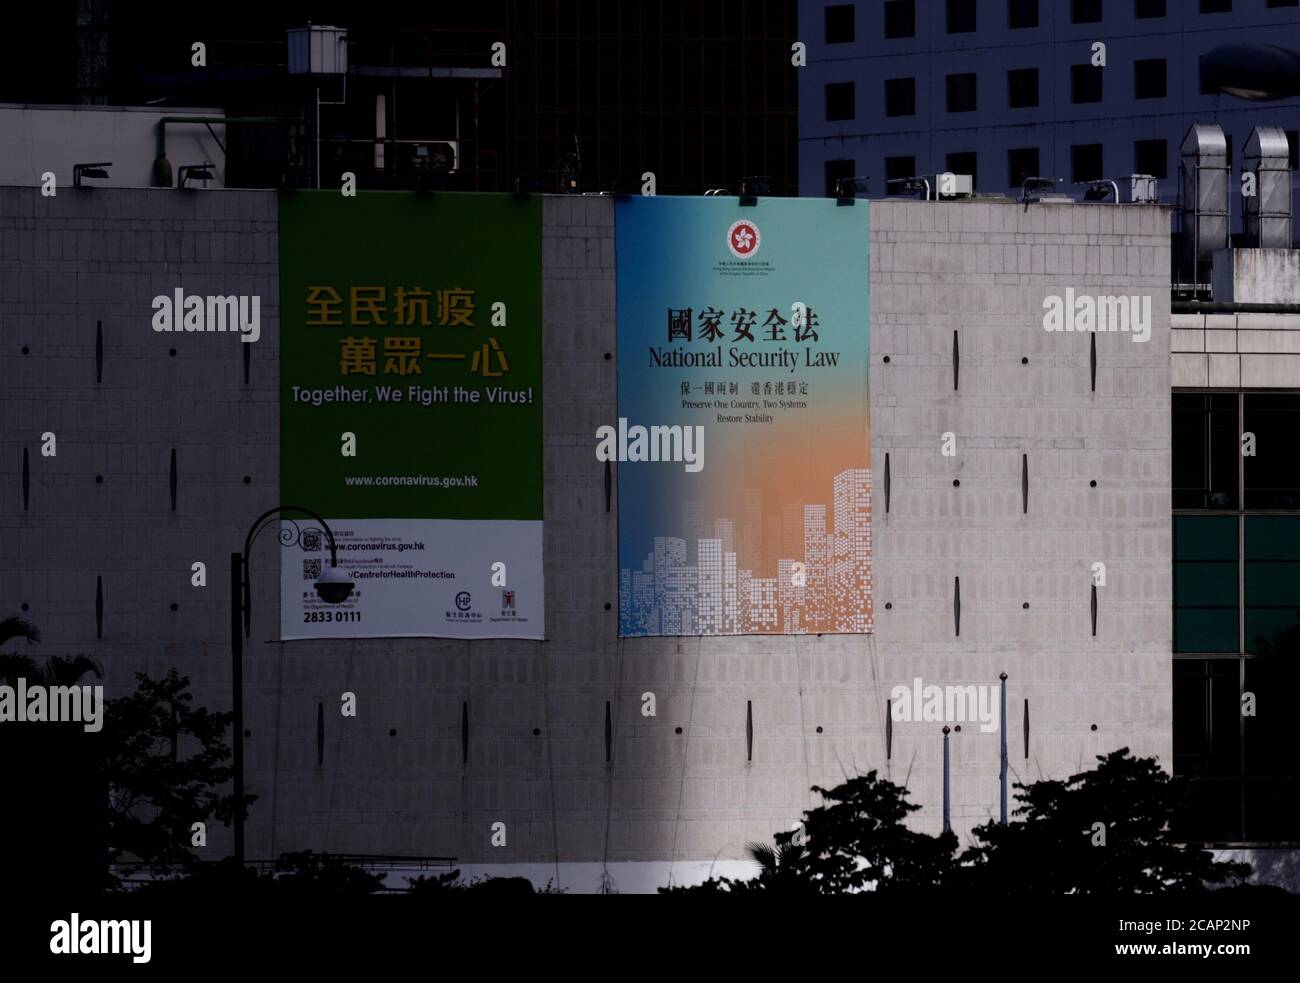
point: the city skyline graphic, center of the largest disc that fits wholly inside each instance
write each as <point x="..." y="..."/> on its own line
<point x="740" y="575"/>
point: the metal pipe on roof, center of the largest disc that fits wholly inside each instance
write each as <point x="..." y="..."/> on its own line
<point x="1223" y="307"/>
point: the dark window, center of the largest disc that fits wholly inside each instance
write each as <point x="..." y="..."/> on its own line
<point x="1085" y="83"/>
<point x="1212" y="812"/>
<point x="1269" y="810"/>
<point x="839" y="101"/>
<point x="1205" y="583"/>
<point x="1021" y="164"/>
<point x="1206" y="450"/>
<point x="1150" y="8"/>
<point x="963" y="163"/>
<point x="1085" y="162"/>
<point x="1272" y="472"/>
<point x="1282" y="3"/>
<point x="1227" y="148"/>
<point x="1216" y="6"/>
<point x="1272" y="573"/>
<point x="961" y="16"/>
<point x="1293" y="145"/>
<point x="837" y="170"/>
<point x="1085" y="11"/>
<point x="1237" y="756"/>
<point x="1022" y="13"/>
<point x="961" y="93"/>
<point x="1151" y="157"/>
<point x="1207" y="717"/>
<point x="900" y="18"/>
<point x="839" y="23"/>
<point x="1149" y="78"/>
<point x="899" y="167"/>
<point x="1022" y="88"/>
<point x="1207" y="89"/>
<point x="900" y="97"/>
<point x="1207" y="748"/>
<point x="1269" y="734"/>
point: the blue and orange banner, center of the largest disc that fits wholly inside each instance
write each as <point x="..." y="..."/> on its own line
<point x="743" y="438"/>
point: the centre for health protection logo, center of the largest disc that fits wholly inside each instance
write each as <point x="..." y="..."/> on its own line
<point x="743" y="238"/>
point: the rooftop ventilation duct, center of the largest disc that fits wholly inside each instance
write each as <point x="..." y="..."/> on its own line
<point x="1267" y="213"/>
<point x="1203" y="196"/>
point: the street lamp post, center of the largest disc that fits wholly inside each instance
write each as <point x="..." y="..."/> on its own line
<point x="333" y="587"/>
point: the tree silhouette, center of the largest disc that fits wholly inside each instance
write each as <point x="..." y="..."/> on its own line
<point x="298" y="878"/>
<point x="129" y="792"/>
<point x="52" y="826"/>
<point x="18" y="628"/>
<point x="55" y="671"/>
<point x="857" y="841"/>
<point x="165" y="762"/>
<point x="308" y="875"/>
<point x="1104" y="831"/>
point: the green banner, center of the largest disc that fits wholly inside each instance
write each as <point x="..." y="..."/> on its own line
<point x="410" y="354"/>
<point x="388" y="291"/>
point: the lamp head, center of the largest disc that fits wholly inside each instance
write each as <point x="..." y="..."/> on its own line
<point x="334" y="586"/>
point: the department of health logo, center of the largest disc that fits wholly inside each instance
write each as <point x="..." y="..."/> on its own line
<point x="462" y="601"/>
<point x="743" y="239"/>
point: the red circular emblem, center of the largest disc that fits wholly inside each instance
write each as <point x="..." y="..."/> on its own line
<point x="743" y="238"/>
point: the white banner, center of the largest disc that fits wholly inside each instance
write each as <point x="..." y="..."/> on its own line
<point x="446" y="578"/>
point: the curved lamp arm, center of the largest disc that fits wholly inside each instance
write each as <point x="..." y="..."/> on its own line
<point x="258" y="525"/>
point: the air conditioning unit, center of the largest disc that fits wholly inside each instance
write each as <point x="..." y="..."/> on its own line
<point x="434" y="156"/>
<point x="947" y="186"/>
<point x="318" y="50"/>
<point x="1143" y="189"/>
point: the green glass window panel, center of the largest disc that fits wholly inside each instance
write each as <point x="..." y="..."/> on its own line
<point x="1205" y="537"/>
<point x="1205" y="629"/>
<point x="1205" y="583"/>
<point x="1272" y="537"/>
<point x="1201" y="584"/>
<point x="1269" y="584"/>
<point x="1272" y="584"/>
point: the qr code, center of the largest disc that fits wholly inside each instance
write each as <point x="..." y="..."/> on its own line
<point x="311" y="541"/>
<point x="310" y="569"/>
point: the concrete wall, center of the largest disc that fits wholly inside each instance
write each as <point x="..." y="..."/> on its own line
<point x="983" y="271"/>
<point x="1236" y="351"/>
<point x="668" y="802"/>
<point x="1256" y="276"/>
<point x="38" y="139"/>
